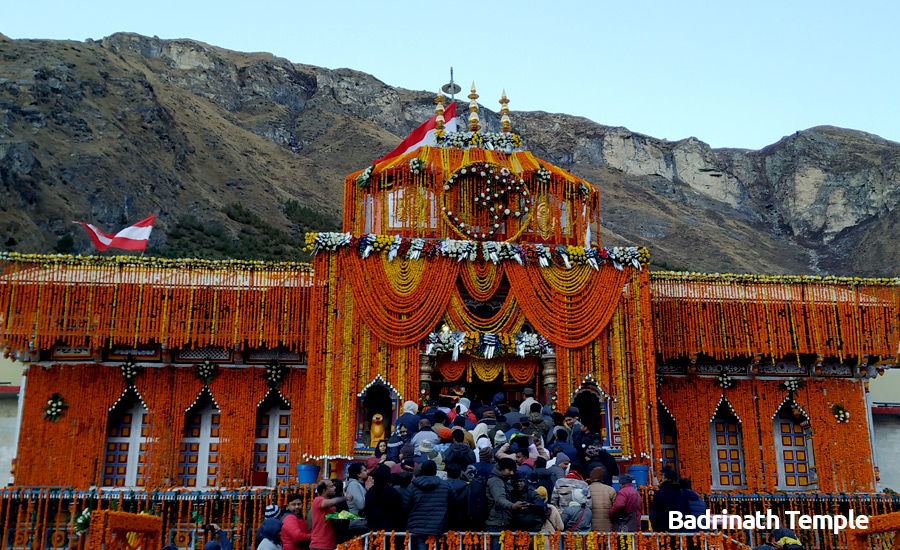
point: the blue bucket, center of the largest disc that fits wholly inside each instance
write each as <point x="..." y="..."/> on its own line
<point x="641" y="474"/>
<point x="307" y="474"/>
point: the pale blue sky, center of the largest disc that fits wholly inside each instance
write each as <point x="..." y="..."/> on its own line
<point x="733" y="74"/>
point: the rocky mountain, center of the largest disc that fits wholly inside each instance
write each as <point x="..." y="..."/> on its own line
<point x="238" y="154"/>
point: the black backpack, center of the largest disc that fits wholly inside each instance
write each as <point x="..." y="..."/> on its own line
<point x="477" y="500"/>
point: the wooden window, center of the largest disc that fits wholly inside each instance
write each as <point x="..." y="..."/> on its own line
<point x="127" y="438"/>
<point x="727" y="451"/>
<point x="198" y="465"/>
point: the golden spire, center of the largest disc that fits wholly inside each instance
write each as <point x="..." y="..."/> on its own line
<point x="474" y="126"/>
<point x="439" y="111"/>
<point x="504" y="114"/>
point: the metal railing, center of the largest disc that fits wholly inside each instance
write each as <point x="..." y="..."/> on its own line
<point x="524" y="540"/>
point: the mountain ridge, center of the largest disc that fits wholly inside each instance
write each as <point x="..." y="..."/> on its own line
<point x="239" y="153"/>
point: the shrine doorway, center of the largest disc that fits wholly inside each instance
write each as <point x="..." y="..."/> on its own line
<point x="593" y="408"/>
<point x="376" y="413"/>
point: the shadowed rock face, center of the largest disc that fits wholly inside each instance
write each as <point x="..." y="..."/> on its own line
<point x="112" y="131"/>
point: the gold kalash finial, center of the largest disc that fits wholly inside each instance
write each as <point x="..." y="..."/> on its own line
<point x="505" y="126"/>
<point x="439" y="111"/>
<point x="474" y="125"/>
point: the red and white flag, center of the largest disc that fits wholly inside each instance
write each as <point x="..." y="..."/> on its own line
<point x="424" y="134"/>
<point x="134" y="237"/>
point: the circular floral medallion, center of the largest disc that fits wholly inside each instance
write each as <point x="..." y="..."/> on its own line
<point x="58" y="539"/>
<point x="480" y="197"/>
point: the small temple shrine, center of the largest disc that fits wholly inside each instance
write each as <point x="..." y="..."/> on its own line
<point x="468" y="266"/>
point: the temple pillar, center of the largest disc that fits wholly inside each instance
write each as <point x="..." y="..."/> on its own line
<point x="548" y="378"/>
<point x="425" y="370"/>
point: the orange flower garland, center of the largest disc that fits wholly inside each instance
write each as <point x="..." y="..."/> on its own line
<point x="95" y="301"/>
<point x="416" y="199"/>
<point x="110" y="529"/>
<point x="755" y="401"/>
<point x="728" y="316"/>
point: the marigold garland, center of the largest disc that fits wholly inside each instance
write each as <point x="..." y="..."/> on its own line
<point x="98" y="301"/>
<point x="843" y="446"/>
<point x="730" y="315"/>
<point x="400" y="200"/>
<point x="111" y="529"/>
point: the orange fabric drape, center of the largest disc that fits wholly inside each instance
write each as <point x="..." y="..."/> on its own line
<point x="572" y="315"/>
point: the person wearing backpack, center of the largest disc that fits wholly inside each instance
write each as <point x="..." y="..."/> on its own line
<point x="577" y="515"/>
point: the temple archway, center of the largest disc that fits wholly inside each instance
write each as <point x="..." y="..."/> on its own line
<point x="593" y="406"/>
<point x="376" y="412"/>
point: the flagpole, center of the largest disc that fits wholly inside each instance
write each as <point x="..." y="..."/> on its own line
<point x="451" y="88"/>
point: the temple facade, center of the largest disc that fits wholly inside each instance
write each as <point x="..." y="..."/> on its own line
<point x="469" y="267"/>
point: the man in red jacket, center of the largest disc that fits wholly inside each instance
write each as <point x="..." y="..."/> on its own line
<point x="625" y="513"/>
<point x="295" y="533"/>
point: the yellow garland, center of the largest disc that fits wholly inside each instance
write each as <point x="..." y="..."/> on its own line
<point x="486" y="370"/>
<point x="404" y="275"/>
<point x="568" y="281"/>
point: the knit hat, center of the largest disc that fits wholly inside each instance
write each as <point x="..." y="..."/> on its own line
<point x="445" y="433"/>
<point x="436" y="457"/>
<point x="407" y="450"/>
<point x="542" y="492"/>
<point x="408" y="464"/>
<point x="625" y="479"/>
<point x="579" y="497"/>
<point x="485" y="454"/>
<point x="273" y="511"/>
<point x="426" y="446"/>
<point x="562" y="457"/>
<point x="499" y="438"/>
<point x="572" y="411"/>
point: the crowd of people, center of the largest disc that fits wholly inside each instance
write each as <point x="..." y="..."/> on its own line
<point x="478" y="467"/>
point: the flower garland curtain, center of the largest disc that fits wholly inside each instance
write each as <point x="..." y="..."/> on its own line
<point x="568" y="307"/>
<point x="481" y="279"/>
<point x="520" y="370"/>
<point x="396" y="200"/>
<point x="841" y="450"/>
<point x="70" y="452"/>
<point x="96" y="301"/>
<point x="727" y="317"/>
<point x="356" y="335"/>
<point x="111" y="529"/>
<point x="403" y="317"/>
<point x="67" y="452"/>
<point x="508" y="319"/>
